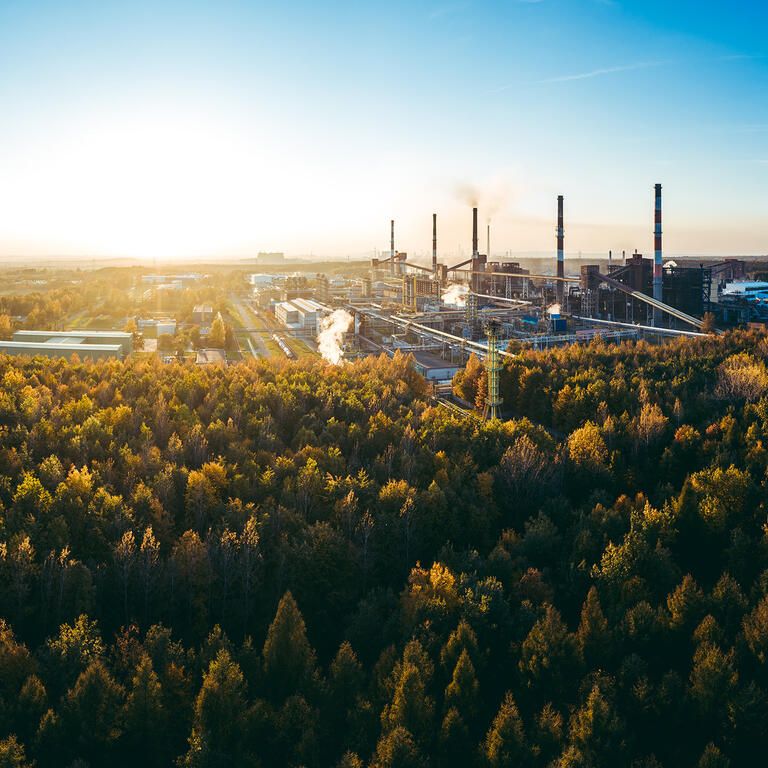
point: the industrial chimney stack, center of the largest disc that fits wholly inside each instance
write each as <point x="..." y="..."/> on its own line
<point x="434" y="245"/>
<point x="657" y="257"/>
<point x="392" y="248"/>
<point x="560" y="251"/>
<point x="474" y="233"/>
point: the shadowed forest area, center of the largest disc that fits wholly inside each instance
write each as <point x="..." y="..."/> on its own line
<point x="291" y="564"/>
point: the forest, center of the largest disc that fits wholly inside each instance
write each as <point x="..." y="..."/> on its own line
<point x="293" y="564"/>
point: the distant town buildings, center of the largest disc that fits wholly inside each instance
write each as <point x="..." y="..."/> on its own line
<point x="265" y="257"/>
<point x="176" y="281"/>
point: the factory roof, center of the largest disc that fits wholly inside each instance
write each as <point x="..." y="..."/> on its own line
<point x="84" y="333"/>
<point x="304" y="304"/>
<point x="64" y="340"/>
<point x="745" y="286"/>
<point x="64" y="345"/>
<point x="211" y="357"/>
<point x="309" y="305"/>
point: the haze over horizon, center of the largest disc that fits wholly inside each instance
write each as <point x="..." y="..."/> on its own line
<point x="182" y="130"/>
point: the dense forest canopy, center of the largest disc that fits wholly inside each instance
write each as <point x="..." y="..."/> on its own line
<point x="291" y="564"/>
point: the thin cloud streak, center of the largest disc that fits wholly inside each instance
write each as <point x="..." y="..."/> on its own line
<point x="740" y="57"/>
<point x="604" y="71"/>
<point x="446" y="10"/>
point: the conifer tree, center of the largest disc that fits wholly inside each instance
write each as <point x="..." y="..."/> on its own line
<point x="593" y="635"/>
<point x="463" y="692"/>
<point x="505" y="743"/>
<point x="91" y="714"/>
<point x="397" y="749"/>
<point x="218" y="735"/>
<point x="289" y="661"/>
<point x="144" y="715"/>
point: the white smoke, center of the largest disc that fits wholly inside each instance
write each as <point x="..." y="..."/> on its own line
<point x="332" y="330"/>
<point x="456" y="294"/>
<point x="554" y="309"/>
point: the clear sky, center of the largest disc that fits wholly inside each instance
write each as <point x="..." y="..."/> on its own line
<point x="187" y="129"/>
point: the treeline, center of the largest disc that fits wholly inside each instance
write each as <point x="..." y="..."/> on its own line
<point x="290" y="564"/>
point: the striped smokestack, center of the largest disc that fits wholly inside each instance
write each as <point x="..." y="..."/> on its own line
<point x="434" y="244"/>
<point x="657" y="257"/>
<point x="392" y="248"/>
<point x="474" y="234"/>
<point x="560" y="250"/>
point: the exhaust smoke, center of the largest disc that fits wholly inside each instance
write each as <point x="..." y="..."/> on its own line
<point x="332" y="330"/>
<point x="455" y="294"/>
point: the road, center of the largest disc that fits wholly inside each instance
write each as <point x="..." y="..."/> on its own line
<point x="257" y="345"/>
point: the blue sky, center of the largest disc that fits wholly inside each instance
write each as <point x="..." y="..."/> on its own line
<point x="199" y="129"/>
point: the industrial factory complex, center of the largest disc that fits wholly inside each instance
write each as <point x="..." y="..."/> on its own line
<point x="441" y="313"/>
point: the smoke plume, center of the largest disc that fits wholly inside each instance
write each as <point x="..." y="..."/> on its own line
<point x="554" y="309"/>
<point x="456" y="294"/>
<point x="332" y="330"/>
<point x="467" y="193"/>
<point x="492" y="198"/>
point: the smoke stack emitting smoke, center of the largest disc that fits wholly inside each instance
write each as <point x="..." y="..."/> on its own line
<point x="455" y="294"/>
<point x="332" y="330"/>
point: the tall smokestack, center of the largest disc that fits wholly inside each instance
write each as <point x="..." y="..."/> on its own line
<point x="392" y="248"/>
<point x="474" y="233"/>
<point x="657" y="257"/>
<point x="560" y="250"/>
<point x="434" y="244"/>
<point x="488" y="241"/>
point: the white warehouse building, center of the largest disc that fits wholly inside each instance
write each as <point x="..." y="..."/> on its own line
<point x="302" y="315"/>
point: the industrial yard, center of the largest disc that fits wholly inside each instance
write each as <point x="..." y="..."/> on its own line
<point x="441" y="313"/>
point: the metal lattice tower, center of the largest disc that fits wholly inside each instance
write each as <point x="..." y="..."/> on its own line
<point x="470" y="309"/>
<point x="492" y="370"/>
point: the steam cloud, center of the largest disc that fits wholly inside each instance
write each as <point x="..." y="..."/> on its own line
<point x="456" y="294"/>
<point x="332" y="330"/>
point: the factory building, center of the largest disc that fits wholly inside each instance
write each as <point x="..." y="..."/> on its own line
<point x="202" y="314"/>
<point x="86" y="336"/>
<point x="287" y="314"/>
<point x="435" y="368"/>
<point x="420" y="290"/>
<point x="154" y="327"/>
<point x="263" y="278"/>
<point x="742" y="302"/>
<point x="301" y="315"/>
<point x="86" y="344"/>
<point x="211" y="357"/>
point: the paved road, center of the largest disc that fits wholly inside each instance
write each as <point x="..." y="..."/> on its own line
<point x="247" y="319"/>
